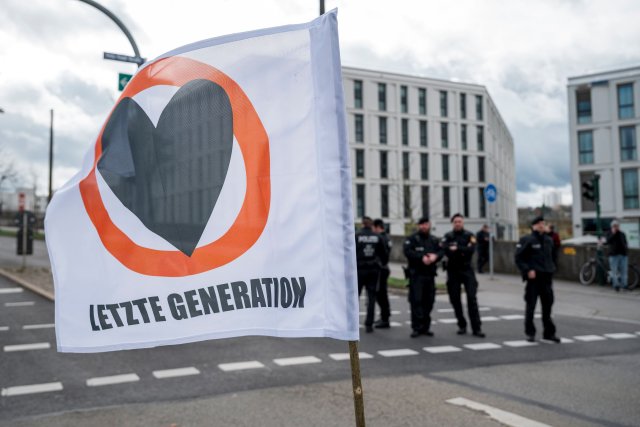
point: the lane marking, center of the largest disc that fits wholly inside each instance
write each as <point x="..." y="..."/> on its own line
<point x="445" y="310"/>
<point x="240" y="366"/>
<point x="394" y="297"/>
<point x="620" y="336"/>
<point x="396" y="312"/>
<point x="395" y="324"/>
<point x="113" y="379"/>
<point x="290" y="361"/>
<point x="483" y="346"/>
<point x="484" y="309"/>
<point x="19" y="304"/>
<point x="442" y="349"/>
<point x="4" y="328"/>
<point x="501" y="416"/>
<point x="345" y="356"/>
<point x="537" y="316"/>
<point x="40" y="326"/>
<point x="398" y="352"/>
<point x="489" y="318"/>
<point x="512" y="317"/>
<point x="447" y="321"/>
<point x="564" y="340"/>
<point x="519" y="343"/>
<point x="10" y="290"/>
<point x="177" y="372"/>
<point x="30" y="389"/>
<point x="589" y="338"/>
<point x="26" y="347"/>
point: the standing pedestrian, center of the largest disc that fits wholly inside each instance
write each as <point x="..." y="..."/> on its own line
<point x="482" y="239"/>
<point x="382" y="296"/>
<point x="371" y="254"/>
<point x="618" y="260"/>
<point x="423" y="252"/>
<point x="459" y="245"/>
<point x="535" y="262"/>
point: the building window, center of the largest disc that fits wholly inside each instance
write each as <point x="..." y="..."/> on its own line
<point x="360" y="201"/>
<point x="583" y="104"/>
<point x="384" y="165"/>
<point x="463" y="136"/>
<point x="483" y="203"/>
<point x="423" y="133"/>
<point x="382" y="96"/>
<point x="360" y="163"/>
<point x="359" y="124"/>
<point x="425" y="200"/>
<point x="630" y="188"/>
<point x="404" y="106"/>
<point x="424" y="166"/>
<point x="481" y="177"/>
<point x="628" y="149"/>
<point x="463" y="105"/>
<point x="446" y="202"/>
<point x="480" y="137"/>
<point x="405" y="165"/>
<point x="625" y="101"/>
<point x="479" y="109"/>
<point x="405" y="131"/>
<point x="465" y="168"/>
<point x="465" y="201"/>
<point x="422" y="101"/>
<point x="384" y="201"/>
<point x="382" y="130"/>
<point x="407" y="201"/>
<point x="357" y="93"/>
<point x="445" y="167"/>
<point x="585" y="147"/>
<point x="444" y="134"/>
<point x="443" y="103"/>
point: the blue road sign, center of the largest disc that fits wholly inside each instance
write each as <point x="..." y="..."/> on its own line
<point x="490" y="193"/>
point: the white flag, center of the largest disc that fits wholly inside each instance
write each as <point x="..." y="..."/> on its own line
<point x="215" y="202"/>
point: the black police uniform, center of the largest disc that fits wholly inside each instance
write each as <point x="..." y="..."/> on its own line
<point x="371" y="254"/>
<point x="534" y="252"/>
<point x="422" y="290"/>
<point x="482" y="238"/>
<point x="460" y="272"/>
<point x="382" y="295"/>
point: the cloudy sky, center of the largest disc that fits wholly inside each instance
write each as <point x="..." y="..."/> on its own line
<point x="522" y="51"/>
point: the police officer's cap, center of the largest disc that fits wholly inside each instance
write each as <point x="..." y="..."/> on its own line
<point x="423" y="220"/>
<point x="537" y="219"/>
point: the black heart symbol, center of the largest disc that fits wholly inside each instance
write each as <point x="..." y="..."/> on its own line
<point x="170" y="176"/>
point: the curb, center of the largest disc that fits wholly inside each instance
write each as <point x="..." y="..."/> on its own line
<point x="28" y="285"/>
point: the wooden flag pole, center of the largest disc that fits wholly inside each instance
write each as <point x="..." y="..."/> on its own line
<point x="358" y="398"/>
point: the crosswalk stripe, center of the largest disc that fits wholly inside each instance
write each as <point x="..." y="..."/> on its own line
<point x="346" y="356"/>
<point x="26" y="347"/>
<point x="113" y="379"/>
<point x="484" y="309"/>
<point x="442" y="349"/>
<point x="499" y="415"/>
<point x="19" y="304"/>
<point x="519" y="343"/>
<point x="589" y="338"/>
<point x="10" y="290"/>
<point x="620" y="336"/>
<point x="445" y="310"/>
<point x="30" y="389"/>
<point x="447" y="321"/>
<point x="483" y="346"/>
<point x="395" y="324"/>
<point x="398" y="352"/>
<point x="303" y="360"/>
<point x="240" y="366"/>
<point x="39" y="326"/>
<point x="489" y="318"/>
<point x="176" y="372"/>
<point x="512" y="317"/>
<point x="4" y="328"/>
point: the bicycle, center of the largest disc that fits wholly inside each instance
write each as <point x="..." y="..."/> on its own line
<point x="588" y="272"/>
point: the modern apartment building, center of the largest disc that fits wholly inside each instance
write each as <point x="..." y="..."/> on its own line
<point x="603" y="128"/>
<point x="422" y="146"/>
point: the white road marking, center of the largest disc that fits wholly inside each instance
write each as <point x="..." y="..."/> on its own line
<point x="4" y="328"/>
<point x="396" y="312"/>
<point x="40" y="326"/>
<point x="177" y="372"/>
<point x="394" y="297"/>
<point x="620" y="336"/>
<point x="503" y="417"/>
<point x="513" y="317"/>
<point x="538" y="316"/>
<point x="483" y="346"/>
<point x="346" y="356"/>
<point x="395" y="324"/>
<point x="489" y="318"/>
<point x="484" y="309"/>
<point x="408" y="322"/>
<point x="398" y="352"/>
<point x="589" y="338"/>
<point x="445" y="310"/>
<point x="566" y="340"/>
<point x="30" y="389"/>
<point x="19" y="304"/>
<point x="240" y="366"/>
<point x="447" y="320"/>
<point x="303" y="360"/>
<point x="519" y="343"/>
<point x="10" y="290"/>
<point x="442" y="349"/>
<point x="113" y="379"/>
<point x="26" y="347"/>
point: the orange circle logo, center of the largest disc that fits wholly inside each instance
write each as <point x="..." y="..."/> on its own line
<point x="252" y="217"/>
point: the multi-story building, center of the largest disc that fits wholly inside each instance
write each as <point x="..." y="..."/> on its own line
<point x="603" y="127"/>
<point x="422" y="146"/>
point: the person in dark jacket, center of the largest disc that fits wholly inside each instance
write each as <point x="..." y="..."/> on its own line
<point x="371" y="255"/>
<point x="459" y="245"/>
<point x="482" y="239"/>
<point x="535" y="262"/>
<point x="423" y="253"/>
<point x="382" y="296"/>
<point x="555" y="237"/>
<point x="618" y="260"/>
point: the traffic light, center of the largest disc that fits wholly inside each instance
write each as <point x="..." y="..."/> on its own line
<point x="588" y="190"/>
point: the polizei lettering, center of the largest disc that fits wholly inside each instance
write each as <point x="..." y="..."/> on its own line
<point x="268" y="292"/>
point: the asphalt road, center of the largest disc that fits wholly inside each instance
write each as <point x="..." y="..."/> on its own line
<point x="590" y="379"/>
<point x="8" y="257"/>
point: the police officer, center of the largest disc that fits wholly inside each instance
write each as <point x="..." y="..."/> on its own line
<point x="459" y="245"/>
<point x="371" y="255"/>
<point x="423" y="252"/>
<point x="382" y="296"/>
<point x="535" y="261"/>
